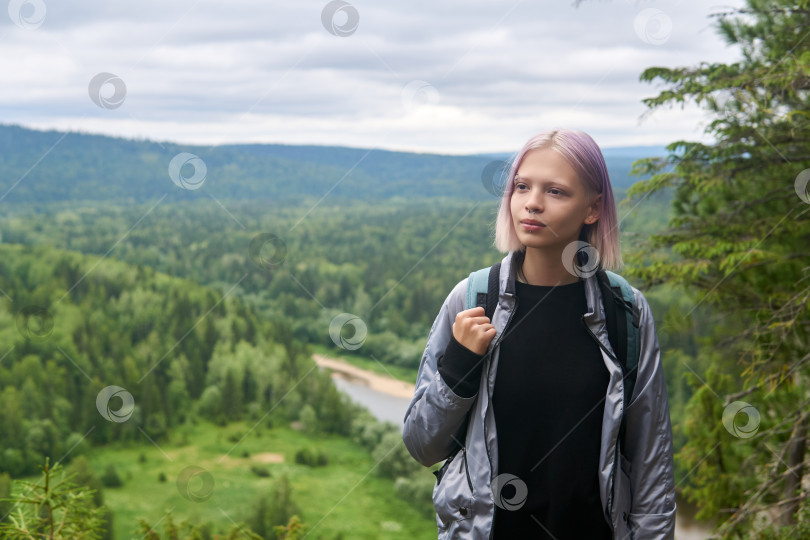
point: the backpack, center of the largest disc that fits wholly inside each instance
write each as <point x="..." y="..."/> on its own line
<point x="622" y="318"/>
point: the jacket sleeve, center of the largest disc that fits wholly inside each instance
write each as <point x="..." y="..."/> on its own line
<point x="648" y="438"/>
<point x="436" y="413"/>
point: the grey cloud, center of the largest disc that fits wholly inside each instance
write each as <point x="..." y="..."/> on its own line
<point x="212" y="61"/>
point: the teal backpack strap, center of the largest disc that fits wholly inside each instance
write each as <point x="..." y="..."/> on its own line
<point x="477" y="288"/>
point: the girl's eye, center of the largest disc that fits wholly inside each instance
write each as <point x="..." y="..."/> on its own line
<point x="521" y="186"/>
<point x="556" y="191"/>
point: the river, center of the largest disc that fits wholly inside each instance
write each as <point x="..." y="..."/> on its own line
<point x="386" y="400"/>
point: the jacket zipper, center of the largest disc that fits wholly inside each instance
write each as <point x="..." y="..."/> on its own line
<point x="466" y="469"/>
<point x="616" y="446"/>
<point x="489" y="400"/>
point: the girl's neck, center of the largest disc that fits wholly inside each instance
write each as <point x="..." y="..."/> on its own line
<point x="540" y="267"/>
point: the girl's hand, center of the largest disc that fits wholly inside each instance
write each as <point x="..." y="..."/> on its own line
<point x="474" y="330"/>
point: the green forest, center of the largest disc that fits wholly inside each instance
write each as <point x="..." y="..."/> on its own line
<point x="156" y="370"/>
<point x="100" y="169"/>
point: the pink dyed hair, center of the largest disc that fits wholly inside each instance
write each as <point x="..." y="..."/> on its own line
<point x="584" y="155"/>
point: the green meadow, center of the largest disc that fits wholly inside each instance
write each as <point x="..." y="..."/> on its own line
<point x="344" y="499"/>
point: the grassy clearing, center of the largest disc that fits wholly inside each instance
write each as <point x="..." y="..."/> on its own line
<point x="346" y="497"/>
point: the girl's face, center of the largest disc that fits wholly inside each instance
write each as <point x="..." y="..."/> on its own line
<point x="549" y="203"/>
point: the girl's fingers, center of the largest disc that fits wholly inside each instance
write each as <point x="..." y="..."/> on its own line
<point x="477" y="317"/>
<point x="472" y="312"/>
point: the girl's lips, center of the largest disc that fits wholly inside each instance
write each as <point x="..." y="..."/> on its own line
<point x="530" y="225"/>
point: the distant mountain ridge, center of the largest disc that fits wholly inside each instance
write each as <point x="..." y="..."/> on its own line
<point x="634" y="152"/>
<point x="48" y="166"/>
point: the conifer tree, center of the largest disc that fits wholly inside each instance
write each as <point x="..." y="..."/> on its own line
<point x="739" y="241"/>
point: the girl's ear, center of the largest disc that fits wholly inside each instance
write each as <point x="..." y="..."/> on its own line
<point x="594" y="210"/>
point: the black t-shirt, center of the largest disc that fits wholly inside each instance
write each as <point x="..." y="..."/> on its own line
<point x="548" y="402"/>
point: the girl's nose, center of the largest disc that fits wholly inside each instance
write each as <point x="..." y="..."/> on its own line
<point x="534" y="205"/>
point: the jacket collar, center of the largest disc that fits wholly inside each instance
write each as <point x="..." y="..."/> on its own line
<point x="594" y="316"/>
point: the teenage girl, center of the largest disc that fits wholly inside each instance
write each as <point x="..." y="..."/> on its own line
<point x="525" y="408"/>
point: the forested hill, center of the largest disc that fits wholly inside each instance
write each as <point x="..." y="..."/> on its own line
<point x="47" y="166"/>
<point x="76" y="325"/>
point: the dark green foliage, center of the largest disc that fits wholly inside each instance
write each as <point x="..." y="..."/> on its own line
<point x="107" y="517"/>
<point x="417" y="490"/>
<point x="739" y="236"/>
<point x="110" y="478"/>
<point x="293" y="530"/>
<point x="384" y="441"/>
<point x="5" y="493"/>
<point x="188" y="531"/>
<point x="311" y="458"/>
<point x="82" y="475"/>
<point x="260" y="471"/>
<point x="274" y="509"/>
<point x="140" y="330"/>
<point x="54" y="507"/>
<point x="393" y="458"/>
<point x="231" y="397"/>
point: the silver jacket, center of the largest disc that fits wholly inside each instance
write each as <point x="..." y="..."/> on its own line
<point x="637" y="492"/>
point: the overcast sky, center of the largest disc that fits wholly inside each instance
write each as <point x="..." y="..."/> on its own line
<point x="439" y="76"/>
